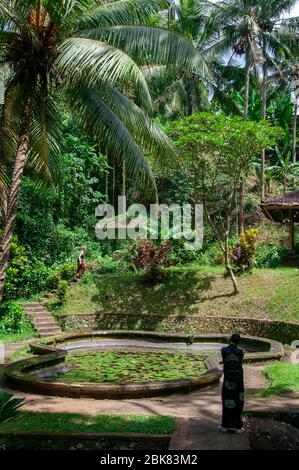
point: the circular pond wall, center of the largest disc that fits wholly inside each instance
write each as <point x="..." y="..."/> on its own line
<point x="29" y="374"/>
<point x="285" y="332"/>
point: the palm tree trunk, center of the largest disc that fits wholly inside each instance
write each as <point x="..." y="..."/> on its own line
<point x="264" y="115"/>
<point x="124" y="178"/>
<point x="247" y="91"/>
<point x="242" y="186"/>
<point x="14" y="195"/>
<point x="294" y="141"/>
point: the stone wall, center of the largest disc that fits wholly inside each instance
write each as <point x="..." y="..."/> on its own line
<point x="277" y="330"/>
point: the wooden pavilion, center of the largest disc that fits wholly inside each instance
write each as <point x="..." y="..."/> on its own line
<point x="283" y="209"/>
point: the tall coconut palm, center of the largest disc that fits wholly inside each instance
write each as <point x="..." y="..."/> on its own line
<point x="234" y="26"/>
<point x="252" y="29"/>
<point x="88" y="52"/>
<point x="278" y="40"/>
<point x="180" y="91"/>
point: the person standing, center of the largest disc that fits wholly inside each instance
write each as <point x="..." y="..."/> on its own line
<point x="233" y="386"/>
<point x="81" y="264"/>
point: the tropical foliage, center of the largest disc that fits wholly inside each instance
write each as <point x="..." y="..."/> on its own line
<point x="177" y="101"/>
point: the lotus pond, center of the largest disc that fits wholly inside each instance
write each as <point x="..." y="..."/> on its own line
<point x="123" y="366"/>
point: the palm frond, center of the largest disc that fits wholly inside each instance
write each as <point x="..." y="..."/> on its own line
<point x="114" y="137"/>
<point x="89" y="58"/>
<point x="120" y="12"/>
<point x="152" y="45"/>
<point x="45" y="138"/>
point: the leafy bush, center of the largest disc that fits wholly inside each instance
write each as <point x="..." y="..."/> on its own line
<point x="211" y="255"/>
<point x="270" y="256"/>
<point x="9" y="406"/>
<point x="271" y="248"/>
<point x="61" y="292"/>
<point x="244" y="251"/>
<point x="12" y="318"/>
<point x="17" y="271"/>
<point x="151" y="258"/>
<point x="63" y="272"/>
<point x="179" y="254"/>
<point x="107" y="264"/>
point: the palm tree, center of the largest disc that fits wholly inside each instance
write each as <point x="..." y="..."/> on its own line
<point x="89" y="53"/>
<point x="252" y="29"/>
<point x="278" y="39"/>
<point x="233" y="23"/>
<point x="180" y="91"/>
<point x="286" y="171"/>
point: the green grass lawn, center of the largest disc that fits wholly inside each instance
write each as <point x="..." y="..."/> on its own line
<point x="118" y="367"/>
<point x="17" y="337"/>
<point x="196" y="290"/>
<point x="281" y="377"/>
<point x="35" y="422"/>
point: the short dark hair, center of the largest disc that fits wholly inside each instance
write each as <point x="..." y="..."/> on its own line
<point x="235" y="338"/>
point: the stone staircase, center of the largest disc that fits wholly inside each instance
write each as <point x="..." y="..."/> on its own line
<point x="41" y="319"/>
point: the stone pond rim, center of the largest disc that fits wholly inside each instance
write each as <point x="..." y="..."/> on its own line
<point x="23" y="375"/>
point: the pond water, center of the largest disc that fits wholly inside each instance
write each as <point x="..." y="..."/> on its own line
<point x="115" y="343"/>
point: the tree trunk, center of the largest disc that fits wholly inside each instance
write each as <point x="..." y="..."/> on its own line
<point x="229" y="269"/>
<point x="242" y="205"/>
<point x="224" y="248"/>
<point x="264" y="116"/>
<point x="294" y="141"/>
<point x="247" y="91"/>
<point x="242" y="186"/>
<point x="14" y="195"/>
<point x="124" y="178"/>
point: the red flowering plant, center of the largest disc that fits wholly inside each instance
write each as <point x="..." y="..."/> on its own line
<point x="152" y="258"/>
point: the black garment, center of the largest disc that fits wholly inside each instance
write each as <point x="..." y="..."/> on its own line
<point x="233" y="387"/>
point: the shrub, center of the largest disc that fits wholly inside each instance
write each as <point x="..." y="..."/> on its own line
<point x="211" y="255"/>
<point x="9" y="406"/>
<point x="270" y="256"/>
<point x="63" y="272"/>
<point x="179" y="254"/>
<point x="107" y="264"/>
<point x="244" y="251"/>
<point x="12" y="318"/>
<point x="16" y="272"/>
<point x="61" y="292"/>
<point x="152" y="258"/>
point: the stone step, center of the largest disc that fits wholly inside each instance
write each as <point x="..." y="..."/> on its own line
<point x="40" y="316"/>
<point x="39" y="308"/>
<point x="41" y="319"/>
<point x="48" y="335"/>
<point x="32" y="304"/>
<point x="44" y="324"/>
<point x="49" y="328"/>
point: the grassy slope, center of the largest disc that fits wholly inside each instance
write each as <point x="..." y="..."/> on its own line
<point x="29" y="421"/>
<point x="267" y="293"/>
<point x="17" y="337"/>
<point x="282" y="377"/>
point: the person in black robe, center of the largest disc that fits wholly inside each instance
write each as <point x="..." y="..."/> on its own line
<point x="233" y="386"/>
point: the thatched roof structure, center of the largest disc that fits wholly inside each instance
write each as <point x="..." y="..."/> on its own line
<point x="282" y="208"/>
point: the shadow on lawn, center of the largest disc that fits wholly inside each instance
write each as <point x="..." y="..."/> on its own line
<point x="137" y="297"/>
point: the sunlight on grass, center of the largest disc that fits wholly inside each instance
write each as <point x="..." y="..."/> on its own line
<point x="282" y="377"/>
<point x="38" y="422"/>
